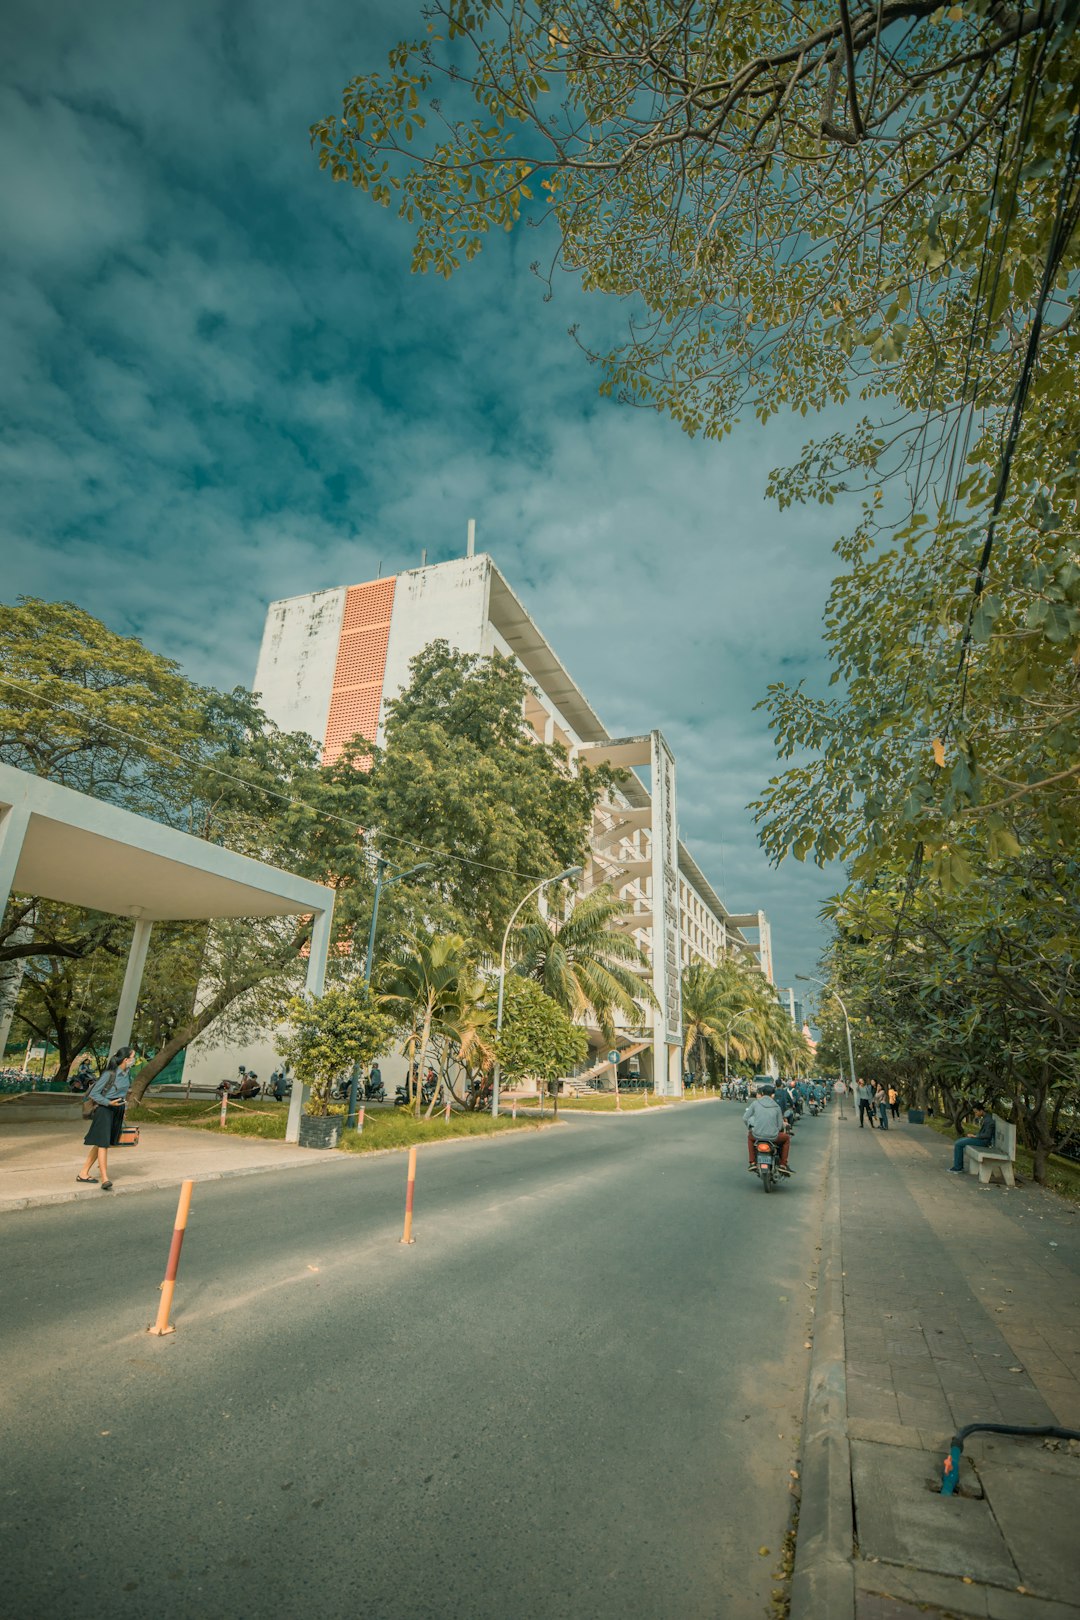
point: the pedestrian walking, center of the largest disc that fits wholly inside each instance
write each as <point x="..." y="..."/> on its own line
<point x="894" y="1102"/>
<point x="865" y="1099"/>
<point x="881" y="1103"/>
<point x="109" y="1096"/>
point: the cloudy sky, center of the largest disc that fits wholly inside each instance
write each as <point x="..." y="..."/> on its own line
<point x="220" y="385"/>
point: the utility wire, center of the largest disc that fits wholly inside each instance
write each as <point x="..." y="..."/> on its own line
<point x="260" y="787"/>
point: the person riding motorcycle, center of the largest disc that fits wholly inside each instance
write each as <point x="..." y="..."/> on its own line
<point x="764" y="1119"/>
<point x="785" y="1101"/>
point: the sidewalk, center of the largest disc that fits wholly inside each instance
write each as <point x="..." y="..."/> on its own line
<point x="959" y="1304"/>
<point x="39" y="1160"/>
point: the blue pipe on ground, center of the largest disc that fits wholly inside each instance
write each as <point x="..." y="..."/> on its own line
<point x="950" y="1472"/>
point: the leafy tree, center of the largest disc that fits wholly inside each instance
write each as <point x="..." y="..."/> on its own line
<point x="102" y="714"/>
<point x="971" y="993"/>
<point x="731" y="1007"/>
<point x="584" y="962"/>
<point x="70" y="1001"/>
<point x="801" y="206"/>
<point x="539" y="1041"/>
<point x="430" y="986"/>
<point x="327" y="1034"/>
<point x="462" y="782"/>
<point x="760" y="182"/>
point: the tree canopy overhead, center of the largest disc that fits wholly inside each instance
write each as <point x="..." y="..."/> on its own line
<point x="800" y="205"/>
<point x="774" y="187"/>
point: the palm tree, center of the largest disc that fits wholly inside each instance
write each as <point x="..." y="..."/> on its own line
<point x="706" y="1015"/>
<point x="585" y="963"/>
<point x="426" y="984"/>
<point x="733" y="1006"/>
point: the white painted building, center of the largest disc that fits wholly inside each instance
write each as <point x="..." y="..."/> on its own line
<point x="330" y="662"/>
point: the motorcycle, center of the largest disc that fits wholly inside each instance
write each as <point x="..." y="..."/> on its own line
<point x="814" y="1106"/>
<point x="768" y="1165"/>
<point x="374" y="1091"/>
<point x="402" y="1098"/>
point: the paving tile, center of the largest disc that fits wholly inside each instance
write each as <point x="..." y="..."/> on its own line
<point x="900" y="1519"/>
<point x="1039" y="1524"/>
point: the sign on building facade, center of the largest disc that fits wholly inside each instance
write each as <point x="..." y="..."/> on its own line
<point x="665" y="855"/>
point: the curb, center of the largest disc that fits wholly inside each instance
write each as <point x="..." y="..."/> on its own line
<point x="10" y="1206"/>
<point x="823" y="1581"/>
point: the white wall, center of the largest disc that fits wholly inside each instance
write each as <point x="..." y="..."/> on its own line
<point x="447" y="602"/>
<point x="295" y="672"/>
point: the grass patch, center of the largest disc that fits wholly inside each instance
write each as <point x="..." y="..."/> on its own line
<point x="394" y="1128"/>
<point x="1062" y="1175"/>
<point x="383" y="1127"/>
<point x="604" y="1103"/>
<point x="263" y="1118"/>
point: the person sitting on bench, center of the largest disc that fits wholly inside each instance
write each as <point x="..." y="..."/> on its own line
<point x="983" y="1138"/>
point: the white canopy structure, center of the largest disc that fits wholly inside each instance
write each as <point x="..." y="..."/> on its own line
<point x="60" y="845"/>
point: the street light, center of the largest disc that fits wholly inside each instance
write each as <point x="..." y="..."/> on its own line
<point x="381" y="882"/>
<point x="571" y="872"/>
<point x="808" y="978"/>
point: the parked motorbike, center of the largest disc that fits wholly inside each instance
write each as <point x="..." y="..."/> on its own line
<point x="402" y="1098"/>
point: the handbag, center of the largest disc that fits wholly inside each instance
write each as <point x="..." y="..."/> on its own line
<point x="88" y="1107"/>
<point x="129" y="1136"/>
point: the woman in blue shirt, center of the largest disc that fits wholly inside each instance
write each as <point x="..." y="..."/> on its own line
<point x="109" y="1094"/>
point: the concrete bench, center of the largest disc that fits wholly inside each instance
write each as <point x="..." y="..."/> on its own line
<point x="998" y="1160"/>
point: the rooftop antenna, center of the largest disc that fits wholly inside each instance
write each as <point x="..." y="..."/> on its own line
<point x="470" y="550"/>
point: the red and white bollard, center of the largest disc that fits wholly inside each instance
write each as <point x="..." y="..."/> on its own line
<point x="360" y="1122"/>
<point x="224" y="1107"/>
<point x="172" y="1266"/>
<point x="410" y="1189"/>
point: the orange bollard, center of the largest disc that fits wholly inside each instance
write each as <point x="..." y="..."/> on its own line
<point x="224" y="1107"/>
<point x="360" y="1123"/>
<point x="168" y="1287"/>
<point x="410" y="1188"/>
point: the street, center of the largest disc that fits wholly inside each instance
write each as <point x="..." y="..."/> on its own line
<point x="577" y="1394"/>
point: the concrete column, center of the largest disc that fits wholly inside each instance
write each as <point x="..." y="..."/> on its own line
<point x="316" y="979"/>
<point x="320" y="950"/>
<point x="129" y="994"/>
<point x="13" y="827"/>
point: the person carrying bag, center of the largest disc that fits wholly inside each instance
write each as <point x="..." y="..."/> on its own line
<point x="106" y="1100"/>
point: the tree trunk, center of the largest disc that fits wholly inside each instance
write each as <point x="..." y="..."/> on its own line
<point x="424" y="1038"/>
<point x="184" y="1037"/>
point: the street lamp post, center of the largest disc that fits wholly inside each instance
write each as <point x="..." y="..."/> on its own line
<point x="809" y="978"/>
<point x="381" y="882"/>
<point x="571" y="872"/>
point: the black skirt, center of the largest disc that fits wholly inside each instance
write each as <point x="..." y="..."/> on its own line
<point x="105" y="1127"/>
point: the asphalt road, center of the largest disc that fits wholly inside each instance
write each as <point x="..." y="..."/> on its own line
<point x="577" y="1394"/>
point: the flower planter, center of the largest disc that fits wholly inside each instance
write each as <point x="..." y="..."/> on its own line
<point x="916" y="1116"/>
<point x="322" y="1131"/>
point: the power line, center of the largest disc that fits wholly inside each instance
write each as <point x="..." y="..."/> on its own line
<point x="260" y="787"/>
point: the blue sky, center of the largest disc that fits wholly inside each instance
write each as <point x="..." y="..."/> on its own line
<point x="221" y="385"/>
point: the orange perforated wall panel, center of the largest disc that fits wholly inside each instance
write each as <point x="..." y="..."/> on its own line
<point x="361" y="666"/>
